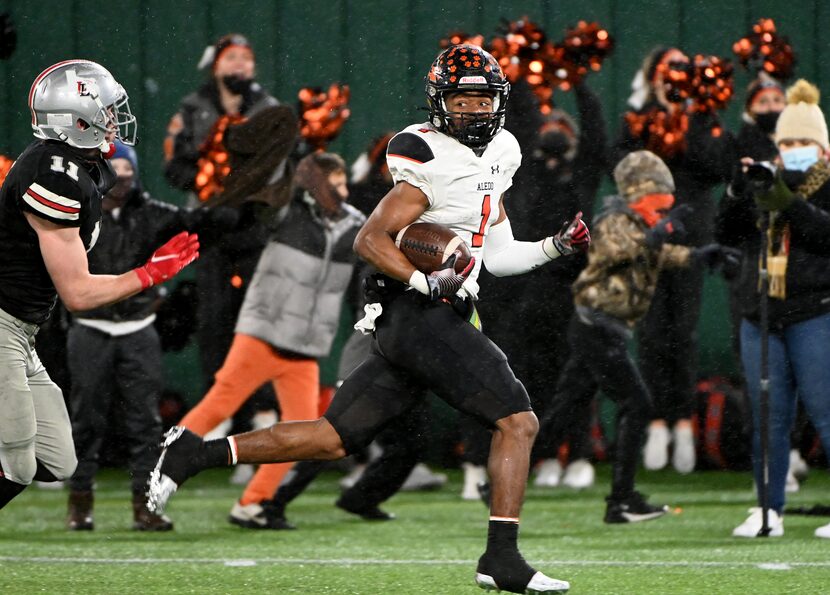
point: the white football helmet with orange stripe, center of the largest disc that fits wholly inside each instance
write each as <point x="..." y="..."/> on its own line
<point x="78" y="102"/>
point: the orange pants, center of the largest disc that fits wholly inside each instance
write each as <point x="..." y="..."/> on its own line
<point x="249" y="363"/>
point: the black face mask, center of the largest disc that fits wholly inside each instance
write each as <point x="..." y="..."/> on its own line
<point x="766" y="122"/>
<point x="237" y="85"/>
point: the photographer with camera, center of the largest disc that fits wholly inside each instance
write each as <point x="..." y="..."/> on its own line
<point x="788" y="199"/>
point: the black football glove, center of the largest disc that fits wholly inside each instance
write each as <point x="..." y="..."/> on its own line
<point x="572" y="237"/>
<point x="445" y="282"/>
<point x="670" y="225"/>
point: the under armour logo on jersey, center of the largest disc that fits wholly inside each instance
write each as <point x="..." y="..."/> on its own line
<point x="494" y="169"/>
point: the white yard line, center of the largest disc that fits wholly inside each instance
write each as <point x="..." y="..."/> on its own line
<point x="772" y="565"/>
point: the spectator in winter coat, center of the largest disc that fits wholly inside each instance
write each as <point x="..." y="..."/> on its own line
<point x="612" y="293"/>
<point x="792" y="213"/>
<point x="230" y="95"/>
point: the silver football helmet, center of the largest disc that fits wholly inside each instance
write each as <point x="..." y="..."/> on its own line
<point x="78" y="102"/>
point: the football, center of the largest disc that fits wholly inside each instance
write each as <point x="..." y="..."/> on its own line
<point x="429" y="245"/>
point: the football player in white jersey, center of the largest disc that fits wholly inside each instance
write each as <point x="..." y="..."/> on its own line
<point x="452" y="170"/>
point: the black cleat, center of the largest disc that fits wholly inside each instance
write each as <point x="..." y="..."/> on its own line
<point x="370" y="513"/>
<point x="632" y="509"/>
<point x="511" y="573"/>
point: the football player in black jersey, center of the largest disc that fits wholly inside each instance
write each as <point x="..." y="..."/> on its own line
<point x="452" y="170"/>
<point x="50" y="207"/>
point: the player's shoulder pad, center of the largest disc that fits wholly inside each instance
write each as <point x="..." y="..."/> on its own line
<point x="410" y="145"/>
<point x="52" y="188"/>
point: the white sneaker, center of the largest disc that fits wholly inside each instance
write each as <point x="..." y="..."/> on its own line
<point x="250" y="516"/>
<point x="684" y="456"/>
<point x="549" y="474"/>
<point x="351" y="478"/>
<point x="798" y="466"/>
<point x="422" y="478"/>
<point x="473" y="475"/>
<point x="539" y="583"/>
<point x="751" y="526"/>
<point x="656" y="451"/>
<point x="242" y="474"/>
<point x="823" y="531"/>
<point x="579" y="475"/>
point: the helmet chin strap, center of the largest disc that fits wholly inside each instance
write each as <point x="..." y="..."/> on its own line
<point x="107" y="149"/>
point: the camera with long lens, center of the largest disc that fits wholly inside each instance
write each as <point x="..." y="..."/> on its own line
<point x="760" y="176"/>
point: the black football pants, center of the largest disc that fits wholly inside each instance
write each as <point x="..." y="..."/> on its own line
<point x="423" y="345"/>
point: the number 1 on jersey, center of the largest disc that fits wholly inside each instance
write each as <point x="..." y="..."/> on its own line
<point x="478" y="238"/>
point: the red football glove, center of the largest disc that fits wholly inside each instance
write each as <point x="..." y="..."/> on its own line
<point x="168" y="260"/>
<point x="446" y="282"/>
<point x="573" y="237"/>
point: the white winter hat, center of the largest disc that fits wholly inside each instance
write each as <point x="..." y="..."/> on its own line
<point x="802" y="118"/>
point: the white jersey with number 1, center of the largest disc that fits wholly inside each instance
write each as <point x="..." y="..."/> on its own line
<point x="463" y="189"/>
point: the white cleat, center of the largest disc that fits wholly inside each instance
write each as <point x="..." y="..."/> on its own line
<point x="823" y="531"/>
<point x="539" y="583"/>
<point x="161" y="486"/>
<point x="159" y="492"/>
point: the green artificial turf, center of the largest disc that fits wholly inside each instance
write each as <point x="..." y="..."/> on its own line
<point x="431" y="548"/>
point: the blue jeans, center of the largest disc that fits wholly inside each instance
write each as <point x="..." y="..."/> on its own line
<point x="799" y="365"/>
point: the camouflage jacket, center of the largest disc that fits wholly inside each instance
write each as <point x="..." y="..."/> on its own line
<point x="622" y="271"/>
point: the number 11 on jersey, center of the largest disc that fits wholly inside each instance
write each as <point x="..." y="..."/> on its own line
<point x="478" y="238"/>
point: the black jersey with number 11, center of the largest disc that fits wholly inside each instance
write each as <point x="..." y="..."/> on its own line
<point x="59" y="184"/>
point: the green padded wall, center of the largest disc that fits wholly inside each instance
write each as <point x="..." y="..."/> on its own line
<point x="381" y="48"/>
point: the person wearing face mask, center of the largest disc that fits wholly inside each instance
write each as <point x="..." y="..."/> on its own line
<point x="764" y="102"/>
<point x="796" y="203"/>
<point x="227" y="265"/>
<point x="123" y="342"/>
<point x="667" y="335"/>
<point x="632" y="245"/>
